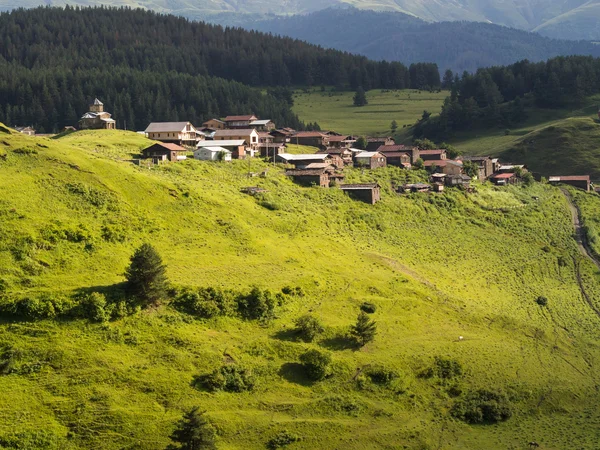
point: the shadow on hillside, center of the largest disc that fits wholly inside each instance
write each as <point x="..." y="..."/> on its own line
<point x="294" y="373"/>
<point x="112" y="291"/>
<point x="339" y="342"/>
<point x="286" y="335"/>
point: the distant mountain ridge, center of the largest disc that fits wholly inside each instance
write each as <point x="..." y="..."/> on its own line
<point x="458" y="46"/>
<point x="567" y="19"/>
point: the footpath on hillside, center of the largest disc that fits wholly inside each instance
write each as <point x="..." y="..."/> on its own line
<point x="584" y="247"/>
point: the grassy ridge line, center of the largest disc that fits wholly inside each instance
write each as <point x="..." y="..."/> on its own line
<point x="437" y="266"/>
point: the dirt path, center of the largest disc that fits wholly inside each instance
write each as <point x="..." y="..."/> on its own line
<point x="584" y="248"/>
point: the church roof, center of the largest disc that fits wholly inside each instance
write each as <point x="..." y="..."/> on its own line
<point x="98" y="102"/>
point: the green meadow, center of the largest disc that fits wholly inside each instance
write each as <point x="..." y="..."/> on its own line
<point x="335" y="110"/>
<point x="437" y="268"/>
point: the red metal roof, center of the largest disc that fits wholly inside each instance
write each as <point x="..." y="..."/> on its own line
<point x="503" y="175"/>
<point x="172" y="147"/>
<point x="574" y="178"/>
<point x="432" y="152"/>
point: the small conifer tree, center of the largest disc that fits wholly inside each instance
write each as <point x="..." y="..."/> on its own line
<point x="146" y="275"/>
<point x="364" y="330"/>
<point x="193" y="432"/>
<point x="360" y="97"/>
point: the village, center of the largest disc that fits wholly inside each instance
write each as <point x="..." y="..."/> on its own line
<point x="248" y="136"/>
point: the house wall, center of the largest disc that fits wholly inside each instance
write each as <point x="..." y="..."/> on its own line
<point x="378" y="161"/>
<point x="309" y="180"/>
<point x="371" y="196"/>
<point x="451" y="169"/>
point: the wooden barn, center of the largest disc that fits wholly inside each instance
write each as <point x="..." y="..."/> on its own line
<point x="578" y="181"/>
<point x="368" y="193"/>
<point x="164" y="152"/>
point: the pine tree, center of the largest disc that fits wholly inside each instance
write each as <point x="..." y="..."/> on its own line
<point x="364" y="330"/>
<point x="360" y="97"/>
<point x="394" y="126"/>
<point x="193" y="432"/>
<point x="146" y="277"/>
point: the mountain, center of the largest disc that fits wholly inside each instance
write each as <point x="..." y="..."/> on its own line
<point x="399" y="37"/>
<point x="572" y="19"/>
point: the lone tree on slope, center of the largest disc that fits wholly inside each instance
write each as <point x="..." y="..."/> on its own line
<point x="360" y="97"/>
<point x="193" y="432"/>
<point x="364" y="330"/>
<point x="146" y="277"/>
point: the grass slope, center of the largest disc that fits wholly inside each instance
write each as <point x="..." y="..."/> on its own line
<point x="335" y="110"/>
<point x="437" y="267"/>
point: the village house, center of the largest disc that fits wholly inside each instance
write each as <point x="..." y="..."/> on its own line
<point x="374" y="143"/>
<point x="323" y="177"/>
<point x="236" y="147"/>
<point x="447" y="166"/>
<point x="512" y="168"/>
<point x="283" y="135"/>
<point x="340" y="156"/>
<point x="578" y="181"/>
<point x="414" y="152"/>
<point x="240" y="122"/>
<point x="301" y="161"/>
<point x="398" y="159"/>
<point x="457" y="180"/>
<point x="370" y="160"/>
<point x="250" y="135"/>
<point x="267" y="145"/>
<point x="368" y="193"/>
<point x="213" y="124"/>
<point x="180" y="133"/>
<point x="96" y="118"/>
<point x="341" y="141"/>
<point x="164" y="152"/>
<point x="212" y="154"/>
<point x="29" y="131"/>
<point x="502" y="179"/>
<point x="262" y="125"/>
<point x="433" y="155"/>
<point x="485" y="166"/>
<point x="415" y="187"/>
<point x="312" y="139"/>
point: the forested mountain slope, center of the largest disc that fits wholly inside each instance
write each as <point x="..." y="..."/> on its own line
<point x="78" y="373"/>
<point x="399" y="37"/>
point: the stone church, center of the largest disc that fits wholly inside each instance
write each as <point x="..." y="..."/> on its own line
<point x="96" y="118"/>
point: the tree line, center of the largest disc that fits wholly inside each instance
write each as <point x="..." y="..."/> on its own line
<point x="150" y="67"/>
<point x="498" y="96"/>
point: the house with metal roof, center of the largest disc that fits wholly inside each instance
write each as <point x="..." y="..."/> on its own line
<point x="180" y="133"/>
<point x="367" y="192"/>
<point x="212" y="154"/>
<point x="578" y="181"/>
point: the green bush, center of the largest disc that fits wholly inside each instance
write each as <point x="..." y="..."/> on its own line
<point x="193" y="432"/>
<point x="368" y="307"/>
<point x="308" y="328"/>
<point x="445" y="368"/>
<point x="204" y="302"/>
<point x="229" y="378"/>
<point x="282" y="439"/>
<point x="95" y="308"/>
<point x="8" y="358"/>
<point x="257" y="305"/>
<point x="542" y="301"/>
<point x="316" y="364"/>
<point x="382" y="375"/>
<point x="483" y="406"/>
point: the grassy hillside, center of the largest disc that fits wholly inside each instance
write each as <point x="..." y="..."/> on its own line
<point x="437" y="267"/>
<point x="335" y="110"/>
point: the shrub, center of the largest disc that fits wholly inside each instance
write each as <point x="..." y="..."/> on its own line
<point x="258" y="304"/>
<point x="8" y="359"/>
<point x="282" y="439"/>
<point x="230" y="378"/>
<point x="382" y="375"/>
<point x="308" y="328"/>
<point x="204" y="302"/>
<point x="364" y="330"/>
<point x="194" y="432"/>
<point x="316" y="364"/>
<point x="95" y="308"/>
<point x="542" y="301"/>
<point x="368" y="307"/>
<point x="447" y="368"/>
<point x="483" y="406"/>
<point x="146" y="276"/>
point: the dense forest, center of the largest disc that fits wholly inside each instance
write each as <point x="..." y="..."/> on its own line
<point x="497" y="96"/>
<point x="147" y="66"/>
<point x="393" y="36"/>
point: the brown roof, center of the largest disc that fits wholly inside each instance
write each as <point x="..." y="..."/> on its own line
<point x="309" y="134"/>
<point x="171" y="147"/>
<point x="239" y="118"/>
<point x="338" y="138"/>
<point x="359" y="186"/>
<point x="396" y="154"/>
<point x="378" y="139"/>
<point x="432" y="152"/>
<point x="503" y="175"/>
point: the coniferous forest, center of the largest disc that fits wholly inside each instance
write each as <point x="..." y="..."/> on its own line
<point x="146" y="66"/>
